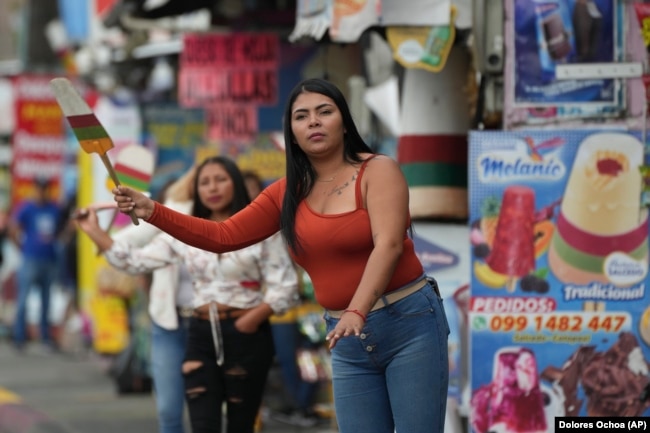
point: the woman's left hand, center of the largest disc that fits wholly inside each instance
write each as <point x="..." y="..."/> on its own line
<point x="349" y="324"/>
<point x="85" y="219"/>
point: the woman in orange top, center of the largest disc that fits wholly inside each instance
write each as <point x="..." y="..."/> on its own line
<point x="344" y="214"/>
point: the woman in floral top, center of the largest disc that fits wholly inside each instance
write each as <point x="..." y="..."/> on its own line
<point x="230" y="345"/>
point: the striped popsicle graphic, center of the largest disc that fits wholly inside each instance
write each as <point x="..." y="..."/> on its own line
<point x="132" y="178"/>
<point x="90" y="133"/>
<point x="134" y="167"/>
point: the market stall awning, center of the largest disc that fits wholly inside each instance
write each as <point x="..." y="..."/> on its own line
<point x="346" y="20"/>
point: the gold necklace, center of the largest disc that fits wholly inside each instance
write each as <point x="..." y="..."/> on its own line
<point x="331" y="179"/>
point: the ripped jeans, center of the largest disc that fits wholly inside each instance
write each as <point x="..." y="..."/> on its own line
<point x="239" y="382"/>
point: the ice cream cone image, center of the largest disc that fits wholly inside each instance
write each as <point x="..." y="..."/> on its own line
<point x="600" y="213"/>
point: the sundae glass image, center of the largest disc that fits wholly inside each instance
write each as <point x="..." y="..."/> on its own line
<point x="513" y="402"/>
<point x="601" y="211"/>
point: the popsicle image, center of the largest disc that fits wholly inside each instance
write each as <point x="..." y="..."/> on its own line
<point x="513" y="250"/>
<point x="90" y="133"/>
<point x="556" y="36"/>
<point x="134" y="167"/>
<point x="587" y="24"/>
<point x="517" y="401"/>
<point x="513" y="402"/>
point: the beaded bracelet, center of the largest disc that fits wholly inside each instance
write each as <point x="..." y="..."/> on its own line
<point x="357" y="312"/>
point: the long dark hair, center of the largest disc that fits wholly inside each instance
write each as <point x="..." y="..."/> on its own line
<point x="240" y="196"/>
<point x="300" y="173"/>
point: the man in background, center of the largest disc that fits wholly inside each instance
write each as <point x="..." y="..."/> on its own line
<point x="33" y="228"/>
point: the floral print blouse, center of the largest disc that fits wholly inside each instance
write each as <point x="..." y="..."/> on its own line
<point x="263" y="272"/>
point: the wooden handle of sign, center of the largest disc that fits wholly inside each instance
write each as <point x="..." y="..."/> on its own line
<point x="111" y="172"/>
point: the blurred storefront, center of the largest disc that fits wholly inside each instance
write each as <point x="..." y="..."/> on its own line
<point x="471" y="112"/>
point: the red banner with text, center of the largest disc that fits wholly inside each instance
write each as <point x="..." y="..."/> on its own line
<point x="230" y="75"/>
<point x="39" y="137"/>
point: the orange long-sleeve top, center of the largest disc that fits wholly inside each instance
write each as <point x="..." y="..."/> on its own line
<point x="335" y="248"/>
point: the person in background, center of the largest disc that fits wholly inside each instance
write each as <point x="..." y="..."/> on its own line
<point x="344" y="212"/>
<point x="230" y="345"/>
<point x="301" y="394"/>
<point x="170" y="309"/>
<point x="288" y="339"/>
<point x="4" y="229"/>
<point x="33" y="228"/>
<point x="254" y="184"/>
<point x="66" y="233"/>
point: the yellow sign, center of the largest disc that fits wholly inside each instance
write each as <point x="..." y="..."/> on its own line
<point x="108" y="313"/>
<point x="423" y="47"/>
<point x="7" y="396"/>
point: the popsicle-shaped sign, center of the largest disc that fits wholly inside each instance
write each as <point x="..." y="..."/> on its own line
<point x="90" y="133"/>
<point x="134" y="166"/>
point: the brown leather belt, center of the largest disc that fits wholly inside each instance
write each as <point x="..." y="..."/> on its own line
<point x="390" y="298"/>
<point x="233" y="313"/>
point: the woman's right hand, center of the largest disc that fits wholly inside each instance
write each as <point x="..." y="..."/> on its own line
<point x="128" y="200"/>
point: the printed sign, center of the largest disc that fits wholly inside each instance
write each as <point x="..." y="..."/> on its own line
<point x="38" y="141"/>
<point x="235" y="68"/>
<point x="559" y="315"/>
<point x="175" y="133"/>
<point x="432" y="256"/>
<point x="231" y="122"/>
<point x="555" y="32"/>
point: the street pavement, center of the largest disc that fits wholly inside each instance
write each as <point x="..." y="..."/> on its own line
<point x="44" y="392"/>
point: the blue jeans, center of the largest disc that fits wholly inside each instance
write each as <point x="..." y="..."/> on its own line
<point x="394" y="376"/>
<point x="288" y="339"/>
<point x="167" y="354"/>
<point x="39" y="273"/>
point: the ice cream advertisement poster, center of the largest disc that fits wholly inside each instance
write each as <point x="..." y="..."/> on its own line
<point x="540" y="35"/>
<point x="555" y="32"/>
<point x="559" y="275"/>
